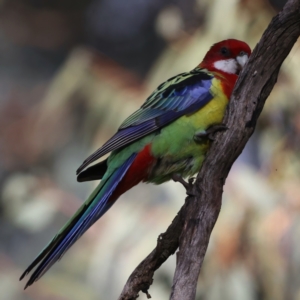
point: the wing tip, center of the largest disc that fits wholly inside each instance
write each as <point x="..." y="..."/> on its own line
<point x="81" y="168"/>
<point x="83" y="165"/>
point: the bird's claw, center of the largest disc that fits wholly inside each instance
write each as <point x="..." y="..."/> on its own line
<point x="188" y="185"/>
<point x="191" y="180"/>
<point x="209" y="133"/>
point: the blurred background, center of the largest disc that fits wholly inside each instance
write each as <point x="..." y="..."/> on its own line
<point x="70" y="72"/>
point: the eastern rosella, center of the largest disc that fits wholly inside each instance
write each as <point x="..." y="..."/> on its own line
<point x="167" y="138"/>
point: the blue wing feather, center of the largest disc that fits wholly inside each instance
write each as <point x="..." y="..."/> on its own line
<point x="180" y="95"/>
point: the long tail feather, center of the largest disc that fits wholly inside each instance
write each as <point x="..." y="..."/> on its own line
<point x="92" y="209"/>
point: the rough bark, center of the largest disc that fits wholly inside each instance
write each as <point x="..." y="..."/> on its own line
<point x="191" y="228"/>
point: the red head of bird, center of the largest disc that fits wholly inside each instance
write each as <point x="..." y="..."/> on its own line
<point x="227" y="56"/>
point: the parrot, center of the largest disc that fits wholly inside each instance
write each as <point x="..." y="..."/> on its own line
<point x="167" y="138"/>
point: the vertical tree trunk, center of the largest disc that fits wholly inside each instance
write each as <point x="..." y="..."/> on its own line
<point x="253" y="87"/>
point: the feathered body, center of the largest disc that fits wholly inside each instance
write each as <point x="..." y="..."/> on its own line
<point x="154" y="143"/>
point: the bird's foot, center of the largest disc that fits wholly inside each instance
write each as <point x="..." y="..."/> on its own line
<point x="188" y="185"/>
<point x="209" y="133"/>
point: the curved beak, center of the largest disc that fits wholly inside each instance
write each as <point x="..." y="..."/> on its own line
<point x="241" y="61"/>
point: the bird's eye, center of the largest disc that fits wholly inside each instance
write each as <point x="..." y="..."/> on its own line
<point x="242" y="53"/>
<point x="224" y="51"/>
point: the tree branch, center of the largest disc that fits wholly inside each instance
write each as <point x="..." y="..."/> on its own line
<point x="191" y="228"/>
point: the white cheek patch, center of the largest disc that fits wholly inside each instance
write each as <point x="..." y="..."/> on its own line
<point x="242" y="60"/>
<point x="227" y="65"/>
